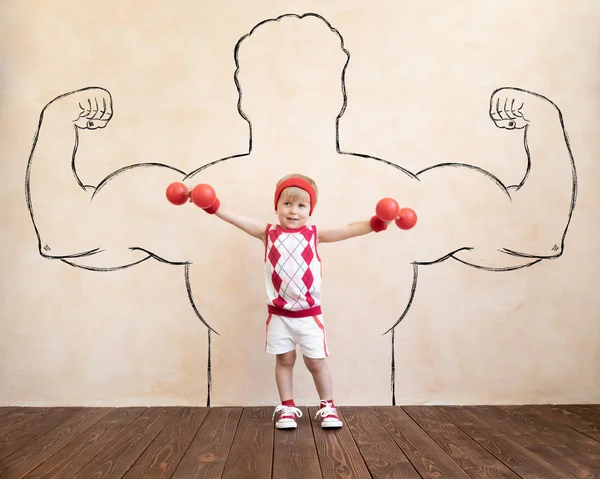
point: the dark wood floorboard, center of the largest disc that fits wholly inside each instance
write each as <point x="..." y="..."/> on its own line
<point x="251" y="452"/>
<point x="449" y="442"/>
<point x="45" y="446"/>
<point x="162" y="457"/>
<point x="6" y="410"/>
<point x="338" y="454"/>
<point x="545" y="443"/>
<point x="33" y="427"/>
<point x="120" y="454"/>
<point x="381" y="454"/>
<point x="466" y="452"/>
<point x="428" y="458"/>
<point x="209" y="450"/>
<point x="295" y="452"/>
<point x="67" y="462"/>
<point x="516" y="456"/>
<point x="20" y="419"/>
<point x="583" y="449"/>
<point x="584" y="419"/>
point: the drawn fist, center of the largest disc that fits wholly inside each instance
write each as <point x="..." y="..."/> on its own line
<point x="89" y="108"/>
<point x="513" y="108"/>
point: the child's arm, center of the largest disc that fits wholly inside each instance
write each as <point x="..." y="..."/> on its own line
<point x="204" y="197"/>
<point x="387" y="209"/>
<point x="246" y="224"/>
<point x="352" y="230"/>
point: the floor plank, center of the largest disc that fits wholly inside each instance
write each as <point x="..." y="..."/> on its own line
<point x="121" y="453"/>
<point x="208" y="452"/>
<point x="584" y="449"/>
<point x="428" y="458"/>
<point x="164" y="454"/>
<point x="295" y="452"/>
<point x="583" y="419"/>
<point x="339" y="456"/>
<point x="30" y="429"/>
<point x="43" y="447"/>
<point x="468" y="454"/>
<point x="516" y="456"/>
<point x="537" y="440"/>
<point x="21" y="418"/>
<point x="380" y="452"/>
<point x="73" y="457"/>
<point x="252" y="449"/>
<point x="4" y="410"/>
<point x="591" y="412"/>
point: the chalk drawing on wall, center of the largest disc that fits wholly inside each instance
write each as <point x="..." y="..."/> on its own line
<point x="61" y="120"/>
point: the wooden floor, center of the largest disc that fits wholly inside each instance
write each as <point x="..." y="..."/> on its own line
<point x="541" y="442"/>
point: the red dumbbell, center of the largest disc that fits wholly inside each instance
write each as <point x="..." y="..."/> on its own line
<point x="406" y="219"/>
<point x="387" y="209"/>
<point x="177" y="193"/>
<point x="203" y="196"/>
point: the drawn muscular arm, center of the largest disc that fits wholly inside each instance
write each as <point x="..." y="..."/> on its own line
<point x="506" y="227"/>
<point x="107" y="226"/>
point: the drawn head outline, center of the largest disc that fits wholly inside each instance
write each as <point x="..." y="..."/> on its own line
<point x="291" y="52"/>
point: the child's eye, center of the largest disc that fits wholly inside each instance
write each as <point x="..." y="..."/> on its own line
<point x="301" y="205"/>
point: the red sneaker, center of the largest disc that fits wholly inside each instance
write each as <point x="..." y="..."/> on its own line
<point x="329" y="416"/>
<point x="287" y="417"/>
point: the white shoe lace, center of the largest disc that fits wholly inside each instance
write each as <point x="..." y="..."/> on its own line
<point x="287" y="410"/>
<point x="326" y="410"/>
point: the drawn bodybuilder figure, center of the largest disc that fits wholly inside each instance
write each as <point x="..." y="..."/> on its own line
<point x="290" y="77"/>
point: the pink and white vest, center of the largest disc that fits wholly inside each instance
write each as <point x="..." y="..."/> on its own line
<point x="292" y="271"/>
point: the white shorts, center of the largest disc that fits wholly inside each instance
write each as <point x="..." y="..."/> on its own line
<point x="283" y="334"/>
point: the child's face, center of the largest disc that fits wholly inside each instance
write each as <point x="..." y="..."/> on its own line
<point x="292" y="213"/>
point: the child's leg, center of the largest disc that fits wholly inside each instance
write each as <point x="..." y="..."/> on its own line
<point x="284" y="375"/>
<point x="321" y="376"/>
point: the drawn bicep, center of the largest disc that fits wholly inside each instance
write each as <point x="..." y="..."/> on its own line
<point x="460" y="208"/>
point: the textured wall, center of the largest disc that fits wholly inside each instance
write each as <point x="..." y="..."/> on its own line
<point x="416" y="92"/>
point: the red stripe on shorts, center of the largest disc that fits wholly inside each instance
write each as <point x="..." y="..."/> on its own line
<point x="267" y="329"/>
<point x="322" y="328"/>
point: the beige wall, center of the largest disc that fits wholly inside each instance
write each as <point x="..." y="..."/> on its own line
<point x="418" y="83"/>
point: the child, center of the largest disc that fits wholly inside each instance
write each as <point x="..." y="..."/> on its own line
<point x="293" y="285"/>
